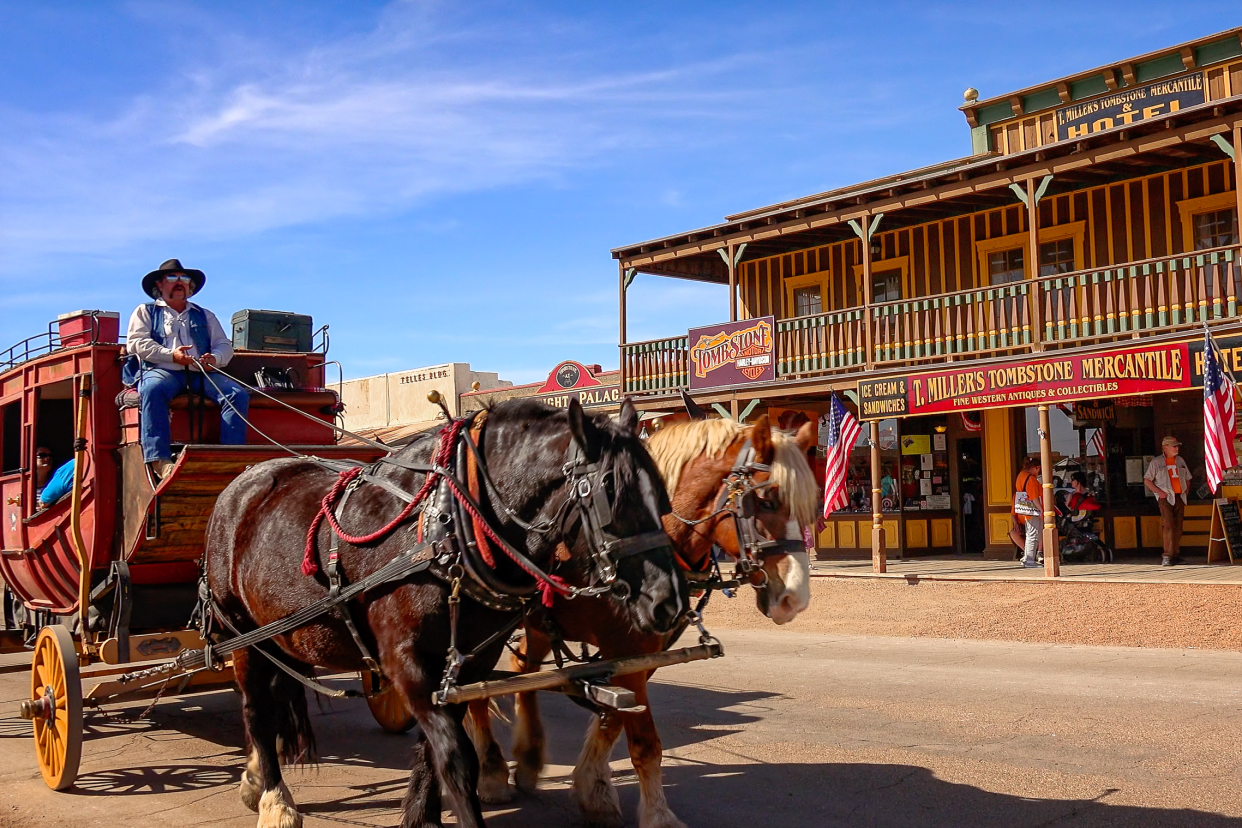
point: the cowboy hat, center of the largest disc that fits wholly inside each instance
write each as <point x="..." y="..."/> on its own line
<point x="197" y="277"/>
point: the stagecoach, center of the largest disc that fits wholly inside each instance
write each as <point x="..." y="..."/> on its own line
<point x="103" y="584"/>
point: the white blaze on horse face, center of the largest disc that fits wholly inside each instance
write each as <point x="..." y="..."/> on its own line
<point x="795" y="572"/>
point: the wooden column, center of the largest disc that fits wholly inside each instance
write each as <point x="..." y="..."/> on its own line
<point x="1052" y="557"/>
<point x="732" y="284"/>
<point x="1036" y="298"/>
<point x="879" y="552"/>
<point x="868" y="331"/>
<point x="621" y="326"/>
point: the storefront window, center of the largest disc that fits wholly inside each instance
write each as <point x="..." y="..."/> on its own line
<point x="858" y="475"/>
<point x="925" y="464"/>
<point x="1081" y="444"/>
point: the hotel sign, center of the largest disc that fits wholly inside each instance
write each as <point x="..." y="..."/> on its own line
<point x="733" y="353"/>
<point x="1128" y="106"/>
<point x="1058" y="379"/>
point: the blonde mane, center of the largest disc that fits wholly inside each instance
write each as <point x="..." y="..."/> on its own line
<point x="674" y="446"/>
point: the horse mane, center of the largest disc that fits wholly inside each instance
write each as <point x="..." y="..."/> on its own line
<point x="674" y="446"/>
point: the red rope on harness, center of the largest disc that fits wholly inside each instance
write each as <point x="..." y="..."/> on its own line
<point x="310" y="565"/>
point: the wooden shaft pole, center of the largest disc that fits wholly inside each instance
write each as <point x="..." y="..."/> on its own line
<point x="1036" y="300"/>
<point x="1237" y="171"/>
<point x="879" y="553"/>
<point x="598" y="670"/>
<point x="1052" y="558"/>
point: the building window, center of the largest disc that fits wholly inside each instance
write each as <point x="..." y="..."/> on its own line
<point x="886" y="286"/>
<point x="1056" y="257"/>
<point x="807" y="300"/>
<point x="1005" y="266"/>
<point x="1215" y="229"/>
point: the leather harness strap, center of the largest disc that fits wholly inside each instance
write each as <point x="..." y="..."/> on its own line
<point x="472" y="481"/>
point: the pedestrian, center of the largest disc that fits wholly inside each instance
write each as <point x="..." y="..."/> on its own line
<point x="1027" y="507"/>
<point x="1168" y="478"/>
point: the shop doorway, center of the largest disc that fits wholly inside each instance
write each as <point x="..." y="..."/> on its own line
<point x="970" y="482"/>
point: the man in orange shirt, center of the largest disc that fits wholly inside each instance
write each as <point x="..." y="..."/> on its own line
<point x="1168" y="478"/>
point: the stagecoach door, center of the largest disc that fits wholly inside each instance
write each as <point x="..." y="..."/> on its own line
<point x="13" y="530"/>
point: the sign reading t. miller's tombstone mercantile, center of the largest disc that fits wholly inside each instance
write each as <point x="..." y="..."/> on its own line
<point x="1128" y="106"/>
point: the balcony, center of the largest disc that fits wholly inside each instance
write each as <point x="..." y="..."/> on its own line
<point x="1060" y="311"/>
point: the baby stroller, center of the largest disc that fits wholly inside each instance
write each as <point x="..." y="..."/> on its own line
<point x="1079" y="544"/>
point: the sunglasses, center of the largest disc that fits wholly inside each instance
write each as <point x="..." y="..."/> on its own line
<point x="177" y="277"/>
<point x="44" y="456"/>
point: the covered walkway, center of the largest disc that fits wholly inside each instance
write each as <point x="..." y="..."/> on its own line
<point x="960" y="568"/>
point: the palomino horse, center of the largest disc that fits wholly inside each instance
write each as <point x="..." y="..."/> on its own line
<point x="529" y="455"/>
<point x="700" y="463"/>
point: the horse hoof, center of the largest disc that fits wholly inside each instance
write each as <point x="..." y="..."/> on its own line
<point x="276" y="809"/>
<point x="494" y="790"/>
<point x="663" y="818"/>
<point x="597" y="798"/>
<point x="251" y="787"/>
<point x="526" y="779"/>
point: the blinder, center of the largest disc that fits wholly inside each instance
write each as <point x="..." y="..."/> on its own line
<point x="589" y="499"/>
<point x="740" y="497"/>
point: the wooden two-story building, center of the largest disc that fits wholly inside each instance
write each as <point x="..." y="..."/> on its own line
<point x="1063" y="273"/>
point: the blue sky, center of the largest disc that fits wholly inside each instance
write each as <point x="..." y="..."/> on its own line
<point x="442" y="181"/>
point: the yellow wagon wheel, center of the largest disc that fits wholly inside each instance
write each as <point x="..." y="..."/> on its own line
<point x="55" y="706"/>
<point x="386" y="704"/>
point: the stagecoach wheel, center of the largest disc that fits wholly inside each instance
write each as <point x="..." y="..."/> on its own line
<point x="55" y="705"/>
<point x="387" y="706"/>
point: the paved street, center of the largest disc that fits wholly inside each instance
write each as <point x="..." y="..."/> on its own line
<point x="790" y="729"/>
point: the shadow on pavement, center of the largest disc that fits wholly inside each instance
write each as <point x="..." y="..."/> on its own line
<point x="159" y="779"/>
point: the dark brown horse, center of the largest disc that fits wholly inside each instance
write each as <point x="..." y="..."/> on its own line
<point x="254" y="552"/>
<point x="698" y="460"/>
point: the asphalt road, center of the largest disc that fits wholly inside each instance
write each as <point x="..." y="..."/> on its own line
<point x="789" y="729"/>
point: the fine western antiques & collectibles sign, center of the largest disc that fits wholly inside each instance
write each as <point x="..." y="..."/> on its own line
<point x="733" y="353"/>
<point x="1052" y="379"/>
<point x="1126" y="106"/>
<point x="574" y="381"/>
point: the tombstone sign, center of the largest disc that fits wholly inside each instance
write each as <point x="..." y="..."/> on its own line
<point x="733" y="353"/>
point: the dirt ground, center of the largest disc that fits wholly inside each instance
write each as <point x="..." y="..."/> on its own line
<point x="1199" y="616"/>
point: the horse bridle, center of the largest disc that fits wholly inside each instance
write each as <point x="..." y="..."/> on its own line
<point x="589" y="506"/>
<point x="739" y="498"/>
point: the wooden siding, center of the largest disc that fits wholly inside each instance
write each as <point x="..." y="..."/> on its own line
<point x="1124" y="222"/>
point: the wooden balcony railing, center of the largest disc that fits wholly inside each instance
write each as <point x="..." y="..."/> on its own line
<point x="1115" y="303"/>
<point x="822" y="343"/>
<point x="656" y="365"/>
<point x="1153" y="295"/>
<point x="987" y="321"/>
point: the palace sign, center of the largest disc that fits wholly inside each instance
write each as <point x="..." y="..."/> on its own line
<point x="574" y="381"/>
<point x="1127" y="106"/>
<point x="733" y="353"/>
<point x="1054" y="379"/>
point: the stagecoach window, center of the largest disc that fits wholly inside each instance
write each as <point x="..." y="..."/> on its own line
<point x="1006" y="266"/>
<point x="807" y="301"/>
<point x="10" y="438"/>
<point x="1056" y="257"/>
<point x="1215" y="229"/>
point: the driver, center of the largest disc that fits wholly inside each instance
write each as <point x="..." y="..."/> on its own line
<point x="168" y="335"/>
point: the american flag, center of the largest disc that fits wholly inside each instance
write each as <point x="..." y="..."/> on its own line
<point x="1097" y="443"/>
<point x="971" y="421"/>
<point x="1219" y="422"/>
<point x="842" y="434"/>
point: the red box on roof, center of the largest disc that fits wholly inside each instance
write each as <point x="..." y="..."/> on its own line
<point x="85" y="326"/>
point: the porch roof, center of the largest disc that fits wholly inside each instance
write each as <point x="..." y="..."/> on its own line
<point x="951" y="188"/>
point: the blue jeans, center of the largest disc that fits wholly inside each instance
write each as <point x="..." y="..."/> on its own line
<point x="157" y="387"/>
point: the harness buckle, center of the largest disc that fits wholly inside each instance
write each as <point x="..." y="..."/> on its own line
<point x="583" y="488"/>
